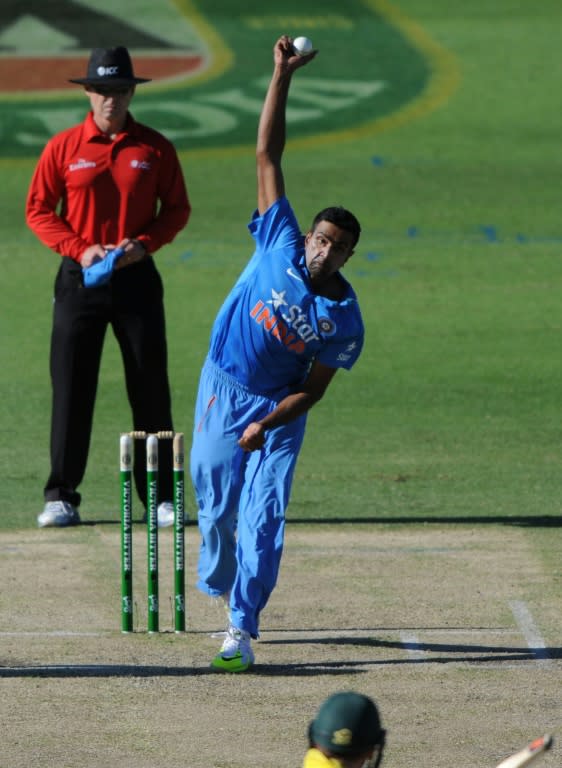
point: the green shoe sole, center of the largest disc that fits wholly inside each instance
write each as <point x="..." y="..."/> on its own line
<point x="236" y="663"/>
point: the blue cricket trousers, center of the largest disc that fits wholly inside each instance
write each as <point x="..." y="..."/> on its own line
<point x="242" y="497"/>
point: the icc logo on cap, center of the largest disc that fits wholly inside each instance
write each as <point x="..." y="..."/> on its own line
<point x="107" y="71"/>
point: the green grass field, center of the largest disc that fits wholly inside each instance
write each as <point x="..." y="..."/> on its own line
<point x="437" y="123"/>
<point x="453" y="410"/>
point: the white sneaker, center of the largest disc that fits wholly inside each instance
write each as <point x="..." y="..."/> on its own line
<point x="236" y="653"/>
<point x="58" y="514"/>
<point x="165" y="514"/>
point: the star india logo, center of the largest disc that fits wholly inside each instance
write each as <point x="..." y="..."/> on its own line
<point x="278" y="299"/>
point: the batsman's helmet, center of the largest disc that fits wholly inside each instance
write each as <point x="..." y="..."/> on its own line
<point x="347" y="724"/>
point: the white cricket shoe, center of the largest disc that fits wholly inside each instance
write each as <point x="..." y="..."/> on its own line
<point x="58" y="514"/>
<point x="165" y="514"/>
<point x="236" y="653"/>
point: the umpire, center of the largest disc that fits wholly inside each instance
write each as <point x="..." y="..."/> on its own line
<point x="106" y="182"/>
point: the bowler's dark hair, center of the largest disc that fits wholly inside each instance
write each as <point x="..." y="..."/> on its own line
<point x="342" y="218"/>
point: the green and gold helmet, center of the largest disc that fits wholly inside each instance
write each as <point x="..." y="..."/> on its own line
<point x="347" y="724"/>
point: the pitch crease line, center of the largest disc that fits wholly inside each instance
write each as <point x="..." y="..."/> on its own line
<point x="530" y="631"/>
<point x="412" y="646"/>
<point x="60" y="633"/>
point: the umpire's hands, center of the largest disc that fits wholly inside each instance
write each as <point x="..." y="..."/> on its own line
<point x="93" y="254"/>
<point x="253" y="437"/>
<point x="134" y="250"/>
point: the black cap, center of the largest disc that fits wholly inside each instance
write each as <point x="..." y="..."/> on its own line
<point x="110" y="66"/>
<point x="347" y="723"/>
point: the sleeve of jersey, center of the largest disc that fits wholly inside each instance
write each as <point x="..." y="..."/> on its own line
<point x="45" y="192"/>
<point x="343" y="350"/>
<point x="277" y="228"/>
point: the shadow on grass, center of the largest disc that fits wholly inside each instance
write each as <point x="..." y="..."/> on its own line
<point x="499" y="652"/>
<point x="61" y="671"/>
<point x="445" y="653"/>
<point x="525" y="521"/>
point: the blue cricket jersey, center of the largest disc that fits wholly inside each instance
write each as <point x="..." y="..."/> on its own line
<point x="272" y="325"/>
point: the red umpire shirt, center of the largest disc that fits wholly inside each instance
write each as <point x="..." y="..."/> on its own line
<point x="93" y="189"/>
<point x="134" y="171"/>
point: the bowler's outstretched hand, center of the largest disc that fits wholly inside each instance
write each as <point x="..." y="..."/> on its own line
<point x="284" y="55"/>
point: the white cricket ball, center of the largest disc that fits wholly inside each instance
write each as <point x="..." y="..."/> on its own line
<point x="302" y="45"/>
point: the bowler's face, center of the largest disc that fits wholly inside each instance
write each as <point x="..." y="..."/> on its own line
<point x="327" y="250"/>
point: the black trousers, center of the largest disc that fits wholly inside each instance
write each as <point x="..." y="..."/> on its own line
<point x="132" y="303"/>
